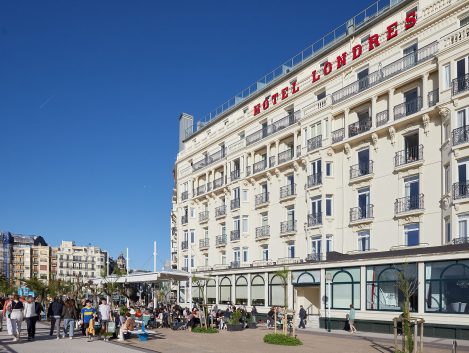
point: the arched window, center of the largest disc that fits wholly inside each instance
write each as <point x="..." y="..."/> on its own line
<point x="241" y="291"/>
<point x="276" y="291"/>
<point x="345" y="288"/>
<point x="211" y="291"/>
<point x="258" y="290"/>
<point x="382" y="287"/>
<point x="224" y="289"/>
<point x="447" y="287"/>
<point x="198" y="292"/>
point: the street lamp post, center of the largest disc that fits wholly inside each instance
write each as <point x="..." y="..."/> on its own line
<point x="328" y="283"/>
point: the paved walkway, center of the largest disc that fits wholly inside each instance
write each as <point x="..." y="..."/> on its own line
<point x="46" y="344"/>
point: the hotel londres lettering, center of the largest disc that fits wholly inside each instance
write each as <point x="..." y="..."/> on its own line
<point x="328" y="67"/>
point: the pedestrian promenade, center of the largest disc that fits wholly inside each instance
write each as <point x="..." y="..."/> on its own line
<point x="47" y="344"/>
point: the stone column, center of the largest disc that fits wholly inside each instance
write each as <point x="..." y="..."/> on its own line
<point x="425" y="90"/>
<point x="374" y="99"/>
<point x="249" y="289"/>
<point x="266" y="290"/>
<point x="217" y="290"/>
<point x="421" y="290"/>
<point x="363" y="288"/>
<point x="390" y="104"/>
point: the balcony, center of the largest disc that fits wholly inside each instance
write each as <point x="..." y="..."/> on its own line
<point x="235" y="235"/>
<point x="288" y="227"/>
<point x="262" y="263"/>
<point x="461" y="240"/>
<point x="218" y="183"/>
<point x="314" y="180"/>
<point x="361" y="171"/>
<point x="271" y="161"/>
<point x="408" y="204"/>
<point x="220" y="211"/>
<point x="234" y="204"/>
<point x="386" y="72"/>
<point x="460" y="84"/>
<point x="235" y="264"/>
<point x="203" y="268"/>
<point x="281" y="124"/>
<point x="209" y="159"/>
<point x="287" y="191"/>
<point x="184" y="245"/>
<point x="407" y="108"/>
<point x="315" y="219"/>
<point x="460" y="190"/>
<point x="184" y="219"/>
<point x="203" y="244"/>
<point x="361" y="214"/>
<point x="184" y="195"/>
<point x="409" y="157"/>
<point x="203" y="216"/>
<point x="200" y="190"/>
<point x="248" y="170"/>
<point x="235" y="175"/>
<point x="263" y="232"/>
<point x="382" y="118"/>
<point x="220" y="240"/>
<point x="288" y="260"/>
<point x="285" y="156"/>
<point x="314" y="257"/>
<point x="314" y="143"/>
<point x="262" y="199"/>
<point x="259" y="166"/>
<point x="433" y="97"/>
<point x="460" y="135"/>
<point x="338" y="135"/>
<point x="359" y="127"/>
<point x="221" y="266"/>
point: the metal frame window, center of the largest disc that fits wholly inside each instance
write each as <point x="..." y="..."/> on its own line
<point x="224" y="291"/>
<point x="258" y="290"/>
<point x="345" y="288"/>
<point x="412" y="234"/>
<point x="211" y="291"/>
<point x="241" y="291"/>
<point x="276" y="291"/>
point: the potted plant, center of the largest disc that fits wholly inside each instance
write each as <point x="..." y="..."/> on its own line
<point x="234" y="323"/>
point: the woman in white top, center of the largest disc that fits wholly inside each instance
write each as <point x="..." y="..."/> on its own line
<point x="16" y="317"/>
<point x="30" y="316"/>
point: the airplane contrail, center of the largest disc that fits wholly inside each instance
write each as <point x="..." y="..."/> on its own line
<point x="46" y="102"/>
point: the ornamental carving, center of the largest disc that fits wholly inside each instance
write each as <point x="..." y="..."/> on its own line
<point x="374" y="140"/>
<point x="445" y="202"/>
<point x="444" y="112"/>
<point x="347" y="150"/>
<point x="426" y="122"/>
<point x="330" y="151"/>
<point x="456" y="207"/>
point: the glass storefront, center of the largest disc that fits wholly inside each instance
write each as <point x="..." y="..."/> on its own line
<point x="241" y="291"/>
<point x="276" y="291"/>
<point x="224" y="291"/>
<point x="447" y="287"/>
<point x="211" y="292"/>
<point x="257" y="290"/>
<point x="382" y="287"/>
<point x="345" y="287"/>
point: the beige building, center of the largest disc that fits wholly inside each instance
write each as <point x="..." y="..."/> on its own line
<point x="79" y="263"/>
<point x="41" y="262"/>
<point x="348" y="167"/>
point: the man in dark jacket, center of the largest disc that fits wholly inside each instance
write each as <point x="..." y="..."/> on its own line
<point x="55" y="314"/>
<point x="302" y="314"/>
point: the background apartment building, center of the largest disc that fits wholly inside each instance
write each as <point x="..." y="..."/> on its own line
<point x="347" y="179"/>
<point x="80" y="263"/>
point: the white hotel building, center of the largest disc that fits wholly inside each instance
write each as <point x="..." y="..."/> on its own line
<point x="348" y="162"/>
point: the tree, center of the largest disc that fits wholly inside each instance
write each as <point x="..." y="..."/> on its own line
<point x="283" y="274"/>
<point x="408" y="288"/>
<point x="7" y="286"/>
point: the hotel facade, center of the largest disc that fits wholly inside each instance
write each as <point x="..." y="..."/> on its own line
<point x="347" y="165"/>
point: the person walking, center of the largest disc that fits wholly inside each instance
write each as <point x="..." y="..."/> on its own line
<point x="55" y="314"/>
<point x="69" y="314"/>
<point x="351" y="319"/>
<point x="302" y="315"/>
<point x="87" y="313"/>
<point x="16" y="317"/>
<point x="104" y="315"/>
<point x="254" y="314"/>
<point x="6" y="313"/>
<point x="30" y="316"/>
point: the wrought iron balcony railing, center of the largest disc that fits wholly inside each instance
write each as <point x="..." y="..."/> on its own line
<point x="461" y="240"/>
<point x="338" y="135"/>
<point x="359" y="127"/>
<point x="408" y="203"/>
<point x="217" y="183"/>
<point x="314" y="180"/>
<point x="460" y="84"/>
<point x="200" y="190"/>
<point x="409" y="155"/>
<point x="184" y="245"/>
<point x="314" y="143"/>
<point x="288" y="227"/>
<point x="382" y="118"/>
<point x="204" y="243"/>
<point x="234" y="235"/>
<point x="361" y="212"/>
<point x="314" y="257"/>
<point x="285" y="156"/>
<point x="263" y="232"/>
<point x="259" y="166"/>
<point x="433" y="97"/>
<point x="234" y="204"/>
<point x="314" y="219"/>
<point x="184" y="195"/>
<point x="287" y="190"/>
<point x="271" y="161"/>
<point x="203" y="216"/>
<point x="460" y="135"/>
<point x="361" y="169"/>
<point x="220" y="240"/>
<point x="235" y="175"/>
<point x="461" y="190"/>
<point x="262" y="199"/>
<point x="407" y="108"/>
<point x="220" y="211"/>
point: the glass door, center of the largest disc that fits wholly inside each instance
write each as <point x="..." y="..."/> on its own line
<point x="462" y="179"/>
<point x="412" y="191"/>
<point x="364" y="161"/>
<point x="364" y="202"/>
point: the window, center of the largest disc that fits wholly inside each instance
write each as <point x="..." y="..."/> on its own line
<point x="224" y="288"/>
<point x="186" y="262"/>
<point x="265" y="252"/>
<point x="382" y="288"/>
<point x="186" y="235"/>
<point x="364" y="240"/>
<point x="328" y="205"/>
<point x="321" y="95"/>
<point x="329" y="243"/>
<point x="236" y="255"/>
<point x="345" y="287"/>
<point x="205" y="233"/>
<point x="257" y="290"/>
<point x="447" y="76"/>
<point x="462" y="226"/>
<point x="447" y="230"/>
<point x="291" y="250"/>
<point x="245" y="195"/>
<point x="241" y="291"/>
<point x="192" y="212"/>
<point x="316" y="130"/>
<point x="223" y="258"/>
<point x="193" y="235"/>
<point x="245" y="255"/>
<point x="328" y="168"/>
<point x="276" y="291"/>
<point x="245" y="224"/>
<point x="211" y="291"/>
<point x="192" y="261"/>
<point x="411" y="234"/>
<point x="446" y="287"/>
<point x="316" y="245"/>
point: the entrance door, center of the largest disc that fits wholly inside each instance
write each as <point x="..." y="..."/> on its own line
<point x="364" y="161"/>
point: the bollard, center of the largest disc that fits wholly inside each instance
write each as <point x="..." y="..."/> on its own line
<point x="455" y="347"/>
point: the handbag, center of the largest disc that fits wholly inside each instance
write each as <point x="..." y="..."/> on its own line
<point x="111" y="327"/>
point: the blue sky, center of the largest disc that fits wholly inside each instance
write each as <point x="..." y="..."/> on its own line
<point x="90" y="94"/>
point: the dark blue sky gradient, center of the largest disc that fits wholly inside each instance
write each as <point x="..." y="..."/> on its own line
<point x="90" y="94"/>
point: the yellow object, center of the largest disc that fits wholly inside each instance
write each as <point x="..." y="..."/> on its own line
<point x="91" y="330"/>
